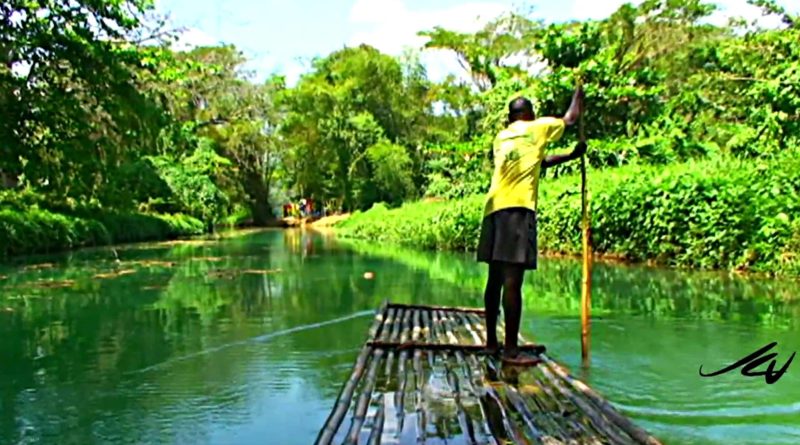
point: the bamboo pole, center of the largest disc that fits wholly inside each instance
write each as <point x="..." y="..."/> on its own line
<point x="447" y="321"/>
<point x="472" y="375"/>
<point x="586" y="284"/>
<point x="470" y="330"/>
<point x="572" y="415"/>
<point x="621" y="421"/>
<point x="420" y="383"/>
<point x="600" y="424"/>
<point x="514" y="434"/>
<point x="398" y="316"/>
<point x="328" y="432"/>
<point x="550" y="414"/>
<point x="366" y="392"/>
<point x="527" y="416"/>
<point x="377" y="427"/>
<point x="469" y="310"/>
<point x="464" y="418"/>
<point x="363" y="400"/>
<point x="427" y="332"/>
<point x="478" y="326"/>
<point x="402" y="372"/>
<point x="565" y="420"/>
<point x="472" y="349"/>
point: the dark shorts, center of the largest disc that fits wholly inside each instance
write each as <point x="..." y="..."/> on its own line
<point x="509" y="236"/>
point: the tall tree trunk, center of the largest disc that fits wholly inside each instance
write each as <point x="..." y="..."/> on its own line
<point x="258" y="193"/>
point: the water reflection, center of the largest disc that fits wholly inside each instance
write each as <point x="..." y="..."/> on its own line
<point x="618" y="289"/>
<point x="251" y="336"/>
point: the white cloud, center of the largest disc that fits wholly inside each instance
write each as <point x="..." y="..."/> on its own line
<point x="726" y="9"/>
<point x="390" y="26"/>
<point x="21" y="69"/>
<point x="594" y="9"/>
<point x="294" y="70"/>
<point x="192" y="38"/>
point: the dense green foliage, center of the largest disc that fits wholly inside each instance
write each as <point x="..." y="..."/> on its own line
<point x="693" y="138"/>
<point x="728" y="214"/>
<point x="100" y="117"/>
<point x="110" y="119"/>
<point x="40" y="231"/>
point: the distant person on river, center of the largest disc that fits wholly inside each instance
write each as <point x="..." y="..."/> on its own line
<point x="508" y="238"/>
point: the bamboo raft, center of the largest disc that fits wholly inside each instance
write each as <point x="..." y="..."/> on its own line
<point x="422" y="377"/>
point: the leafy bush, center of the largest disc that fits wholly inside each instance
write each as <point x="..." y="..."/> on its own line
<point x="191" y="185"/>
<point x="714" y="214"/>
<point x="457" y="170"/>
<point x="391" y="179"/>
<point x="34" y="230"/>
<point x="21" y="199"/>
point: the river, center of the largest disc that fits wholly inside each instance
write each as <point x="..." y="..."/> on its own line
<point x="248" y="338"/>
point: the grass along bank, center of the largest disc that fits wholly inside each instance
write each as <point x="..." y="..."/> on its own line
<point x="712" y="214"/>
<point x="35" y="230"/>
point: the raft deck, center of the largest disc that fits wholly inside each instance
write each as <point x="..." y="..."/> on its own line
<point x="422" y="377"/>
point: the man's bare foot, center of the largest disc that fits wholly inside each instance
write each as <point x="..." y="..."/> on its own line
<point x="514" y="357"/>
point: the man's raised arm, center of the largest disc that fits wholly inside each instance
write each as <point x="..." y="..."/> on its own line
<point x="570" y="118"/>
<point x="575" y="108"/>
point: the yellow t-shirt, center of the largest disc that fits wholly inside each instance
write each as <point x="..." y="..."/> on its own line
<point x="518" y="155"/>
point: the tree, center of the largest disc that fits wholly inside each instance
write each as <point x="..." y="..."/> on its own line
<point x="212" y="99"/>
<point x="73" y="107"/>
<point x="352" y="100"/>
<point x="484" y="53"/>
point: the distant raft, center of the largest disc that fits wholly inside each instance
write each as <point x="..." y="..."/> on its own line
<point x="422" y="377"/>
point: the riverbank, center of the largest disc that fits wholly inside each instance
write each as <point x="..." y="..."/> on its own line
<point x="717" y="214"/>
<point x="35" y="230"/>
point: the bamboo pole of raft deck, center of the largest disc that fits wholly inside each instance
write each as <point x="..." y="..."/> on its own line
<point x="402" y="373"/>
<point x="420" y="383"/>
<point x="473" y="349"/>
<point x="366" y="395"/>
<point x="521" y="407"/>
<point x="393" y="337"/>
<point x="516" y="401"/>
<point x="464" y="419"/>
<point x="590" y="423"/>
<point x="596" y="418"/>
<point x="468" y="327"/>
<point x="565" y="422"/>
<point x="546" y="405"/>
<point x="586" y="284"/>
<point x="513" y="433"/>
<point x="469" y="310"/>
<point x="638" y="434"/>
<point x="450" y="327"/>
<point x="552" y="386"/>
<point x="343" y="401"/>
<point x="473" y="379"/>
<point x="364" y="399"/>
<point x="427" y="335"/>
<point x="478" y="327"/>
<point x="545" y="408"/>
<point x="377" y="427"/>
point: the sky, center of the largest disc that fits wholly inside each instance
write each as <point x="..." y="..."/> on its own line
<point x="282" y="36"/>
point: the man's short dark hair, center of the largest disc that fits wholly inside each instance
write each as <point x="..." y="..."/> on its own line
<point x="520" y="107"/>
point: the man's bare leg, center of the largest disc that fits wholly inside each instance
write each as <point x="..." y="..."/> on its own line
<point x="512" y="310"/>
<point x="491" y="300"/>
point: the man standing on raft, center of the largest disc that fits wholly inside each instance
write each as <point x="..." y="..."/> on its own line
<point x="508" y="232"/>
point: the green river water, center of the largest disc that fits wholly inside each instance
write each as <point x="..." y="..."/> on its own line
<point x="248" y="339"/>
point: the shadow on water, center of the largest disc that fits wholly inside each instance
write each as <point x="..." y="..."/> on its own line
<point x="251" y="336"/>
